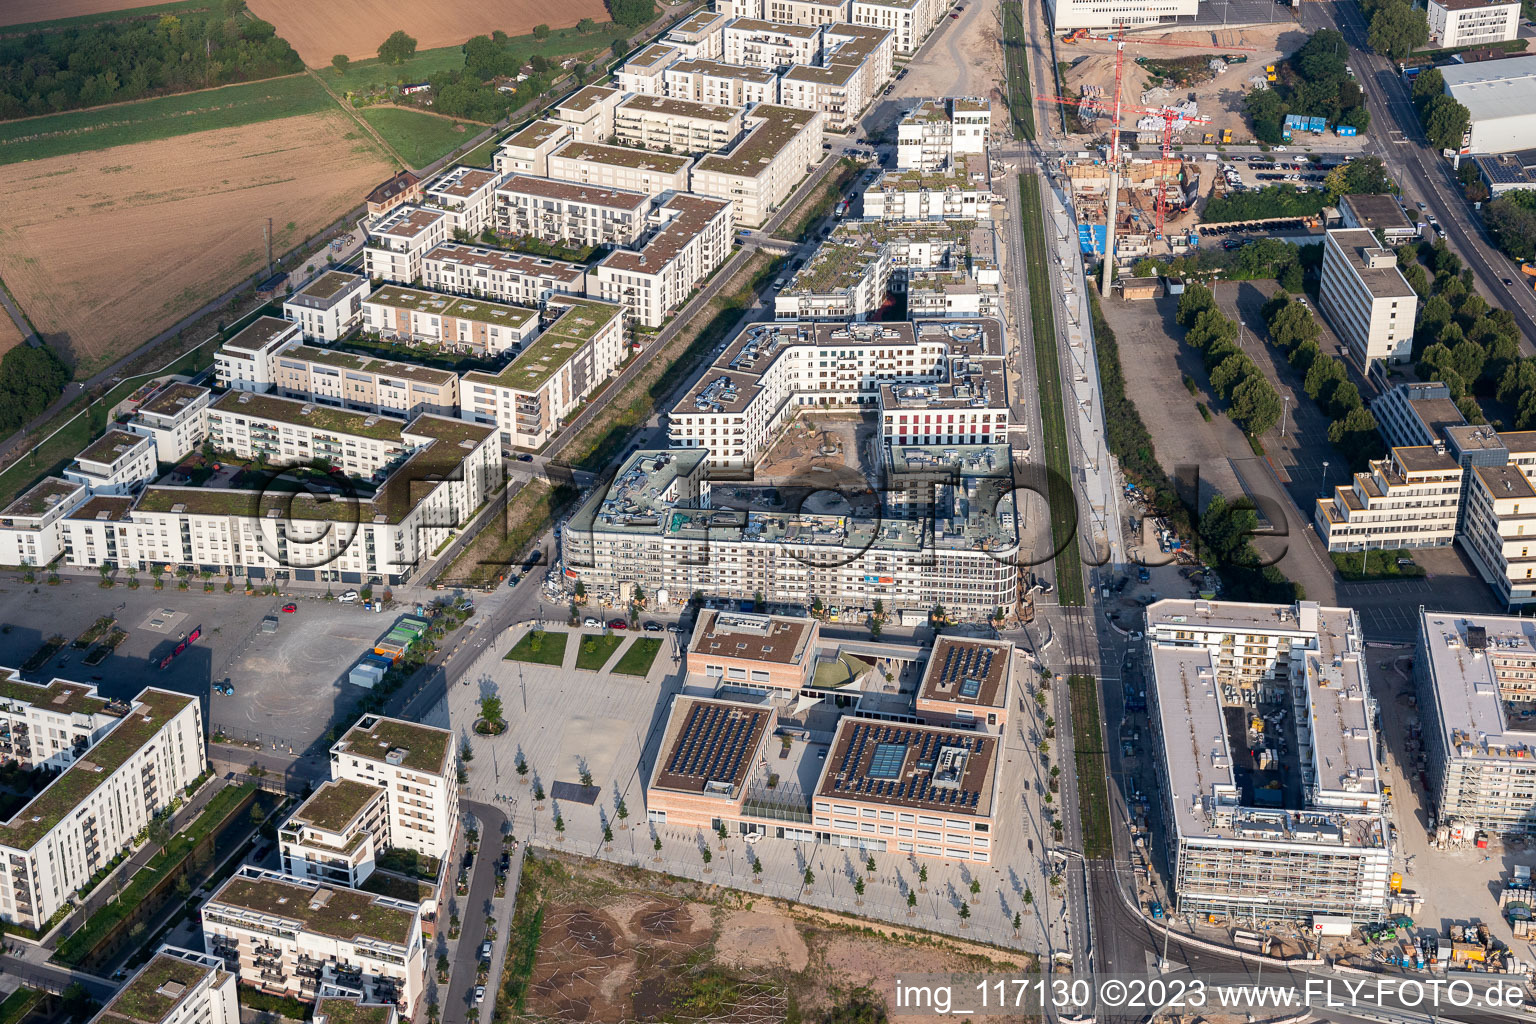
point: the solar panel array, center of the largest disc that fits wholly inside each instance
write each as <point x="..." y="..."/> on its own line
<point x="967" y="665"/>
<point x="875" y="740"/>
<point x="714" y="743"/>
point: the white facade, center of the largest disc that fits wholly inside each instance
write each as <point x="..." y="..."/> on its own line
<point x="31" y="531"/>
<point x="641" y="74"/>
<point x="698" y="37"/>
<point x="620" y="167"/>
<point x="1497" y="534"/>
<point x="329" y="306"/>
<point x="365" y="384"/>
<point x="667" y="125"/>
<point x="454" y="322"/>
<point x="117" y="462"/>
<point x="466" y="194"/>
<point x="655" y="281"/>
<point x="719" y="84"/>
<point x="337" y="834"/>
<point x="51" y="724"/>
<point x="527" y="151"/>
<point x="176" y="986"/>
<point x="566" y="213"/>
<point x="589" y="113"/>
<point x="497" y="274"/>
<point x="1471" y="22"/>
<point x="397" y="241"/>
<point x="763" y="168"/>
<point x="248" y="361"/>
<point x="288" y="432"/>
<point x="916" y="196"/>
<point x="935" y="132"/>
<point x="908" y="21"/>
<point x="1107" y="14"/>
<point x="1367" y="300"/>
<point x="1408" y="500"/>
<point x="765" y="44"/>
<point x="845" y="280"/>
<point x="175" y="418"/>
<point x="418" y="765"/>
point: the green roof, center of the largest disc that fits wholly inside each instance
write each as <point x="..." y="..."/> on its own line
<point x="535" y="135"/>
<point x="342" y="913"/>
<point x="542" y="357"/>
<point x="335" y="805"/>
<point x="339" y="1010"/>
<point x="426" y="748"/>
<point x="438" y="304"/>
<point x="44" y="495"/>
<point x="622" y="156"/>
<point x="934" y="181"/>
<point x="328" y="284"/>
<point x="75" y="698"/>
<point x="366" y="364"/>
<point x="839" y="263"/>
<point x="154" y="709"/>
<point x="142" y="998"/>
<point x="109" y="447"/>
<point x="310" y="414"/>
<point x="451" y="431"/>
<point x="762" y="143"/>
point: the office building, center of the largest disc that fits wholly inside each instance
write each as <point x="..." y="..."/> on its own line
<point x="1115" y="14"/>
<point x="1454" y="23"/>
<point x="1410" y="499"/>
<point x="763" y="168"/>
<point x="1381" y="215"/>
<point x="329" y="306"/>
<point x="1365" y="297"/>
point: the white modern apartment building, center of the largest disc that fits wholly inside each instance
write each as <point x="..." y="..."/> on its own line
<point x="589" y="112"/>
<point x="301" y="938"/>
<point x="855" y="65"/>
<point x="117" y="462"/>
<point x="175" y="418"/>
<point x="908" y="21"/>
<point x="698" y="36"/>
<point x="60" y="838"/>
<point x="1476" y="677"/>
<point x="530" y="399"/>
<point x="397" y="241"/>
<point x="641" y="74"/>
<point x="527" y="150"/>
<point x="635" y="170"/>
<point x="1410" y="499"/>
<point x="788" y="12"/>
<point x="337" y="834"/>
<point x="1113" y="14"/>
<point x="454" y="322"/>
<point x="716" y="83"/>
<point x="1499" y="530"/>
<point x="90" y="532"/>
<point x="667" y="125"/>
<point x="52" y="724"/>
<point x="364" y="384"/>
<point x="770" y="45"/>
<point x="466" y="194"/>
<point x="418" y="766"/>
<point x="247" y="362"/>
<point x="288" y="432"/>
<point x="846" y="279"/>
<point x="176" y="986"/>
<point x="931" y="135"/>
<point x="762" y="169"/>
<point x="1472" y="22"/>
<point x="498" y="274"/>
<point x="329" y="306"/>
<point x="1366" y="298"/>
<point x="655" y="281"/>
<point x="566" y="213"/>
<point x="952" y="194"/>
<point x="31" y="531"/>
<point x="968" y="406"/>
<point x="1281" y="690"/>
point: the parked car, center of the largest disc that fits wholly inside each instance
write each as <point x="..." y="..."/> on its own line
<point x="653" y="627"/>
<point x="485" y="952"/>
<point x="618" y="624"/>
<point x="347" y="596"/>
<point x="290" y="607"/>
<point x="590" y="623"/>
<point x="525" y="457"/>
<point x="479" y="993"/>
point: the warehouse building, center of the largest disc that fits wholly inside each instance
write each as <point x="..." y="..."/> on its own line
<point x="1500" y="95"/>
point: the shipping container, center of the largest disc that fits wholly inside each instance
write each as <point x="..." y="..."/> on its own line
<point x="365" y="674"/>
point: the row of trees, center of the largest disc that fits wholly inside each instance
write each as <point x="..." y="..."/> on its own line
<point x="1444" y="120"/>
<point x="1252" y="401"/>
<point x="1313" y="82"/>
<point x="1396" y="27"/>
<point x="631" y="13"/>
<point x="1260" y="259"/>
<point x="1511" y="222"/>
<point x="50" y="71"/>
<point x="30" y="379"/>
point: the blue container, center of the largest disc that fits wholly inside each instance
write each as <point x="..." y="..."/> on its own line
<point x="1346" y="130"/>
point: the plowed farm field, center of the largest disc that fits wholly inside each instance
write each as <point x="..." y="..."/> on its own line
<point x="25" y="12"/>
<point x="357" y="27"/>
<point x="105" y="249"/>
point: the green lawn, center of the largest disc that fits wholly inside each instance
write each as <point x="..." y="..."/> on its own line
<point x="418" y="138"/>
<point x="596" y="649"/>
<point x="1092" y="769"/>
<point x="1375" y="565"/>
<point x="637" y="660"/>
<point x="551" y="648"/>
<point x="363" y="75"/>
<point x="127" y="14"/>
<point x="18" y="1004"/>
<point x="81" y="131"/>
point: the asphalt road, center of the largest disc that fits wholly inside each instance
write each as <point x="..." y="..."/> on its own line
<point x="455" y="1004"/>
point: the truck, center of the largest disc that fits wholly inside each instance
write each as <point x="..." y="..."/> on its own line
<point x="1157" y="910"/>
<point x="1226" y="136"/>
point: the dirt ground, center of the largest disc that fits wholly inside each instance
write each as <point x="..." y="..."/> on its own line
<point x="619" y="944"/>
<point x="966" y="61"/>
<point x="104" y="249"/>
<point x="23" y="12"/>
<point x="357" y="27"/>
<point x="10" y="335"/>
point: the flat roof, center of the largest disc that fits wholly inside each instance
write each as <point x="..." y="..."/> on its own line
<point x="1381" y="282"/>
<point x="424" y="748"/>
<point x="172" y="399"/>
<point x="773" y="28"/>
<point x="161" y="985"/>
<point x="42" y="496"/>
<point x="1494" y="89"/>
<point x="1424" y="459"/>
<point x="1505" y="481"/>
<point x="59" y="695"/>
<point x="556" y="346"/>
<point x="709" y="746"/>
<point x="111" y="446"/>
<point x="262" y="332"/>
<point x="534" y="135"/>
<point x="697" y="22"/>
<point x="457" y="306"/>
<point x="324" y="418"/>
<point x="1378" y="212"/>
<point x="347" y="1010"/>
<point x="652" y="55"/>
<point x="367" y="364"/>
<point x="967" y="671"/>
<point x="668" y="106"/>
<point x="720" y="69"/>
<point x="330" y="910"/>
<point x="105" y="507"/>
<point x="775" y="126"/>
<point x="546" y="188"/>
<point x="693" y="215"/>
<point x="1436" y="414"/>
<point x="504" y="261"/>
<point x="335" y="805"/>
<point x="322" y="292"/>
<point x="1464" y="654"/>
<point x="770" y="639"/>
<point x="460" y="181"/>
<point x="587" y="97"/>
<point x="406" y="222"/>
<point x="621" y="156"/>
<point x="924" y="768"/>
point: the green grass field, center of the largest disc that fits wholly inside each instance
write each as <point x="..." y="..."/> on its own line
<point x="595" y="650"/>
<point x="81" y="131"/>
<point x="637" y="660"/>
<point x="1088" y="758"/>
<point x="418" y="138"/>
<point x="362" y="75"/>
<point x="1069" y="569"/>
<point x="550" y="648"/>
<point x="127" y="14"/>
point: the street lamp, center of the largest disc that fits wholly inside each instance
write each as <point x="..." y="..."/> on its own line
<point x="1325" y="477"/>
<point x="1284" y="411"/>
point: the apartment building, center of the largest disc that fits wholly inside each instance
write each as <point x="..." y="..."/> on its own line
<point x="247" y="361"/>
<point x="418" y="766"/>
<point x="302" y="938"/>
<point x="951" y="194"/>
<point x="364" y="384"/>
<point x="913" y="789"/>
<point x="397" y="241"/>
<point x="90" y="533"/>
<point x="176" y="986"/>
<point x="654" y="282"/>
<point x="288" y="432"/>
<point x="566" y="213"/>
<point x="589" y="113"/>
<point x="1365" y="297"/>
<point x="500" y="275"/>
<point x="336" y="835"/>
<point x="112" y="789"/>
<point x="376" y="534"/>
<point x="466" y="194"/>
<point x="52" y="724"/>
<point x="175" y="418"/>
<point x="641" y="74"/>
<point x="1474" y="678"/>
<point x="968" y="406"/>
<point x="1472" y="22"/>
<point x="767" y="654"/>
<point x="331" y="1009"/>
<point x="527" y="150"/>
<point x="459" y="324"/>
<point x="846" y="279"/>
<point x="1410" y="499"/>
<point x="329" y="306"/>
<point x="697" y="37"/>
<point x="1283" y="691"/>
<point x="716" y="83"/>
<point x="931" y="135"/>
<point x="650" y="527"/>
<point x="770" y="45"/>
<point x="529" y="399"/>
<point x="856" y="64"/>
<point x="31" y="533"/>
<point x="117" y="462"/>
<point x="1498" y="527"/>
<point x="788" y="12"/>
<point x="763" y="168"/>
<point x="620" y="167"/>
<point x="908" y="21"/>
<point x="950" y="294"/>
<point x="402" y="189"/>
<point x="667" y="125"/>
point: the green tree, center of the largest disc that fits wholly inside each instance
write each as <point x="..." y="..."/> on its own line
<point x="1197" y="298"/>
<point x="541" y="31"/>
<point x="1445" y="123"/>
<point x="631" y="13"/>
<point x="490" y="710"/>
<point x="398" y="48"/>
<point x="1429" y="84"/>
<point x="858" y="886"/>
<point x="911" y="900"/>
<point x="341" y="62"/>
<point x="586" y="26"/>
<point x="1397" y="29"/>
<point x="1361" y="176"/>
<point x="810" y="877"/>
<point x="1255" y="405"/>
<point x="1325" y="374"/>
<point x="1233" y="371"/>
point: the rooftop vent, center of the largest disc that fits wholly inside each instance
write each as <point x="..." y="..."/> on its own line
<point x="396" y="755"/>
